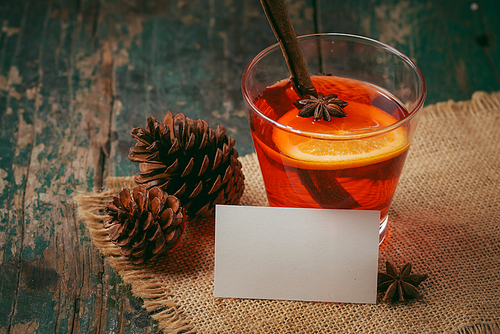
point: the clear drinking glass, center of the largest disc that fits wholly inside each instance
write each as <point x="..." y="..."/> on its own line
<point x="352" y="162"/>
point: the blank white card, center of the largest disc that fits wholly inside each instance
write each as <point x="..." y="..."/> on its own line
<point x="296" y="254"/>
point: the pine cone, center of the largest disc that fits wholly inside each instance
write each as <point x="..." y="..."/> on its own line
<point x="186" y="158"/>
<point x="146" y="224"/>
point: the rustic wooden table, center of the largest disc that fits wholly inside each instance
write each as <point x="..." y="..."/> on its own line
<point x="77" y="75"/>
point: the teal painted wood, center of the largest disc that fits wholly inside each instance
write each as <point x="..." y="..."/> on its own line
<point x="442" y="37"/>
<point x="189" y="58"/>
<point x="77" y="75"/>
<point x="70" y="73"/>
<point x="54" y="129"/>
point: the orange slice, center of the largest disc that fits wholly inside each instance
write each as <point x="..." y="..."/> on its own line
<point x="313" y="153"/>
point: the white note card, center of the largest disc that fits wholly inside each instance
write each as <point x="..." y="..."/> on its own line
<point x="296" y="254"/>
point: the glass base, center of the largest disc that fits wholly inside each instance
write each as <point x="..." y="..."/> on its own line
<point x="382" y="230"/>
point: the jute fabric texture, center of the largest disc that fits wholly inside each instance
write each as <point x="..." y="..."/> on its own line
<point x="445" y="219"/>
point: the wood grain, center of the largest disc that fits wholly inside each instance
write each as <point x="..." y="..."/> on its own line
<point x="451" y="41"/>
<point x="60" y="84"/>
<point x="77" y="75"/>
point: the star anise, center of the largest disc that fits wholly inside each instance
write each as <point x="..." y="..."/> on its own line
<point x="321" y="107"/>
<point x="399" y="284"/>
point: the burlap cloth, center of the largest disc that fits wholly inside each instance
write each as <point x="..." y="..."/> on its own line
<point x="444" y="219"/>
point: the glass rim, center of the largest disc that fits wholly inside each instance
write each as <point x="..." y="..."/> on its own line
<point x="365" y="40"/>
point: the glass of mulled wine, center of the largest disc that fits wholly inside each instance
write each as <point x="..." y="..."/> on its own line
<point x="352" y="162"/>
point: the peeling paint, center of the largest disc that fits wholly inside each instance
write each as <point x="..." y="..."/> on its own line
<point x="461" y="74"/>
<point x="31" y="93"/>
<point x="366" y="25"/>
<point x="9" y="31"/>
<point x="121" y="58"/>
<point x="300" y="11"/>
<point x="189" y="20"/>
<point x="3" y="180"/>
<point x="86" y="65"/>
<point x="15" y="94"/>
<point x="55" y="107"/>
<point x="34" y="249"/>
<point x="25" y="328"/>
<point x="216" y="114"/>
<point x="24" y="132"/>
<point x="395" y="23"/>
<point x="35" y="163"/>
<point x="14" y="78"/>
<point x="134" y="27"/>
<point x="19" y="178"/>
<point x="117" y="107"/>
<point x="3" y="82"/>
<point x="228" y="106"/>
<point x="240" y="113"/>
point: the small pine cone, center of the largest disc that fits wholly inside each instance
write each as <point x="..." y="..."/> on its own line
<point x="146" y="224"/>
<point x="186" y="158"/>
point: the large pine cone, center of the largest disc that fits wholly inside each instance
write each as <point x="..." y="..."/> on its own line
<point x="186" y="158"/>
<point x="146" y="224"/>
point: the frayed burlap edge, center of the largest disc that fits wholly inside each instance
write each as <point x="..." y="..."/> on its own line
<point x="152" y="290"/>
<point x="479" y="104"/>
<point x="155" y="292"/>
<point x="480" y="329"/>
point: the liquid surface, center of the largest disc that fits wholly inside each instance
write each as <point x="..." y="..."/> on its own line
<point x="300" y="171"/>
<point x="335" y="154"/>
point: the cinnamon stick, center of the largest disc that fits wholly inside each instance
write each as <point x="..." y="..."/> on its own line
<point x="280" y="22"/>
<point x="326" y="190"/>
